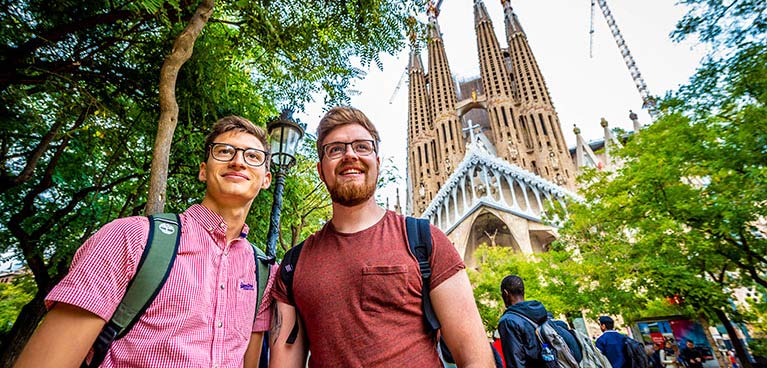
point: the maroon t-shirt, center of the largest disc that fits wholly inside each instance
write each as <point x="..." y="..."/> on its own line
<point x="359" y="296"/>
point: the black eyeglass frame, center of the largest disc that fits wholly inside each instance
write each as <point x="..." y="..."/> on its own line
<point x="267" y="155"/>
<point x="372" y="142"/>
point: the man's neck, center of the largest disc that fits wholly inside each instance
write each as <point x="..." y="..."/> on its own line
<point x="350" y="220"/>
<point x="234" y="217"/>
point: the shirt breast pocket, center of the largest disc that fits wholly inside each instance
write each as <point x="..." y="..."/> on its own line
<point x="383" y="287"/>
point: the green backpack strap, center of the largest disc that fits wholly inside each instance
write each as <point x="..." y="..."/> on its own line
<point x="263" y="264"/>
<point x="152" y="272"/>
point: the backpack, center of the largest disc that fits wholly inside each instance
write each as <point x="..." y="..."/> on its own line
<point x="636" y="355"/>
<point x="416" y="229"/>
<point x="420" y="244"/>
<point x="152" y="272"/>
<point x="592" y="357"/>
<point x="548" y="335"/>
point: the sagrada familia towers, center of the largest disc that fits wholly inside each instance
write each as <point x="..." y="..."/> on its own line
<point x="486" y="157"/>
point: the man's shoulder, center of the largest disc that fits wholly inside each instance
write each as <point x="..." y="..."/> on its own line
<point x="611" y="335"/>
<point x="512" y="317"/>
<point x="127" y="224"/>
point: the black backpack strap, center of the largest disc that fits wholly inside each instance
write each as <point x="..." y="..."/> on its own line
<point x="419" y="240"/>
<point x="152" y="272"/>
<point x="287" y="270"/>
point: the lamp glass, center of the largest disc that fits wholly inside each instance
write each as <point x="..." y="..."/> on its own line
<point x="284" y="139"/>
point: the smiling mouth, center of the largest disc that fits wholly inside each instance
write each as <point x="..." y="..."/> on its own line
<point x="235" y="175"/>
<point x="351" y="171"/>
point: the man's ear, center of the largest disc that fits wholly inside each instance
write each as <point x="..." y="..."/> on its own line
<point x="267" y="180"/>
<point x="201" y="175"/>
<point x="319" y="170"/>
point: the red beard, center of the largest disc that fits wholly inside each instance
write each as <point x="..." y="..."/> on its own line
<point x="352" y="193"/>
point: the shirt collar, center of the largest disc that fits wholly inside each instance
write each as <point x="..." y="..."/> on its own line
<point x="211" y="220"/>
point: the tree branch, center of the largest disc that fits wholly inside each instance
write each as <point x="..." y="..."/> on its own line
<point x="182" y="51"/>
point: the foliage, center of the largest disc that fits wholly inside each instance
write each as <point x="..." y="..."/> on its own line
<point x="686" y="213"/>
<point x="549" y="278"/>
<point x="13" y="296"/>
<point x="79" y="100"/>
<point x="729" y="23"/>
<point x="758" y="347"/>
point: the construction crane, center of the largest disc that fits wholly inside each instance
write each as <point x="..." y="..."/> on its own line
<point x="647" y="100"/>
<point x="399" y="85"/>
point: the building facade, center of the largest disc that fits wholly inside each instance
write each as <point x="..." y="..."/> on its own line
<point x="486" y="156"/>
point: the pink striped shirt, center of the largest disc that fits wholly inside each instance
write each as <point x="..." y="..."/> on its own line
<point x="202" y="317"/>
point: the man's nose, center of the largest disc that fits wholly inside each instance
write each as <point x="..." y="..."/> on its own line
<point x="239" y="158"/>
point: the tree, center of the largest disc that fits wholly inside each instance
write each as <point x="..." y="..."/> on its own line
<point x="686" y="213"/>
<point x="79" y="96"/>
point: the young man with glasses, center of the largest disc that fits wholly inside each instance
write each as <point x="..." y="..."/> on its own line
<point x="356" y="288"/>
<point x="204" y="314"/>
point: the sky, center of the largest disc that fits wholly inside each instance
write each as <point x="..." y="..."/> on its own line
<point x="583" y="89"/>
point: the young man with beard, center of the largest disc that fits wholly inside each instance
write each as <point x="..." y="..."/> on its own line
<point x="356" y="290"/>
<point x="203" y="315"/>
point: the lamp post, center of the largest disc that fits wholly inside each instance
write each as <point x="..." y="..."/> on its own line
<point x="284" y="137"/>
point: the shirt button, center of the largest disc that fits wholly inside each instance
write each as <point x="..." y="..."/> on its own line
<point x="222" y="225"/>
<point x="220" y="324"/>
<point x="221" y="286"/>
<point x="210" y="228"/>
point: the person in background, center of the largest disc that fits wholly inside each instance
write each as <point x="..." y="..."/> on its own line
<point x="733" y="360"/>
<point x="610" y="343"/>
<point x="691" y="357"/>
<point x="656" y="356"/>
<point x="521" y="348"/>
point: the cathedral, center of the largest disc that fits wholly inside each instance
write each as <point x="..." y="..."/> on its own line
<point x="486" y="157"/>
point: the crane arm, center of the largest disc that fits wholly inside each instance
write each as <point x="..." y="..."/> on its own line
<point x="648" y="101"/>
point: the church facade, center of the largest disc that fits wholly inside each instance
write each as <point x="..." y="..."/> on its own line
<point x="486" y="157"/>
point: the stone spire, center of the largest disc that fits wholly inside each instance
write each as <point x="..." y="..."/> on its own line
<point x="496" y="82"/>
<point x="422" y="147"/>
<point x="510" y="19"/>
<point x="611" y="144"/>
<point x="635" y="120"/>
<point x="584" y="155"/>
<point x="540" y="133"/>
<point x="449" y="145"/>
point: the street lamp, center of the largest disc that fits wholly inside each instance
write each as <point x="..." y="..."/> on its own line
<point x="284" y="137"/>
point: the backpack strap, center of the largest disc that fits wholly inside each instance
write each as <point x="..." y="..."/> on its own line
<point x="287" y="270"/>
<point x="263" y="265"/>
<point x="419" y="241"/>
<point x="535" y="325"/>
<point x="152" y="272"/>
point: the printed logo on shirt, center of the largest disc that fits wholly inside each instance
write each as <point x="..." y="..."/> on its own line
<point x="167" y="228"/>
<point x="245" y="286"/>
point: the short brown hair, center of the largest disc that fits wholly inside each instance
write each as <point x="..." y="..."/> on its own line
<point x="238" y="124"/>
<point x="343" y="115"/>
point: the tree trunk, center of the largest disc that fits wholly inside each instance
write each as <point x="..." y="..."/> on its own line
<point x="26" y="323"/>
<point x="182" y="51"/>
<point x="740" y="350"/>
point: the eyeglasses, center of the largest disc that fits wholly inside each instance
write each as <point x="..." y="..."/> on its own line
<point x="226" y="152"/>
<point x="362" y="147"/>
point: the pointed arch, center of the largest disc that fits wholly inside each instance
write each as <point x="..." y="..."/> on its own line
<point x="489" y="229"/>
